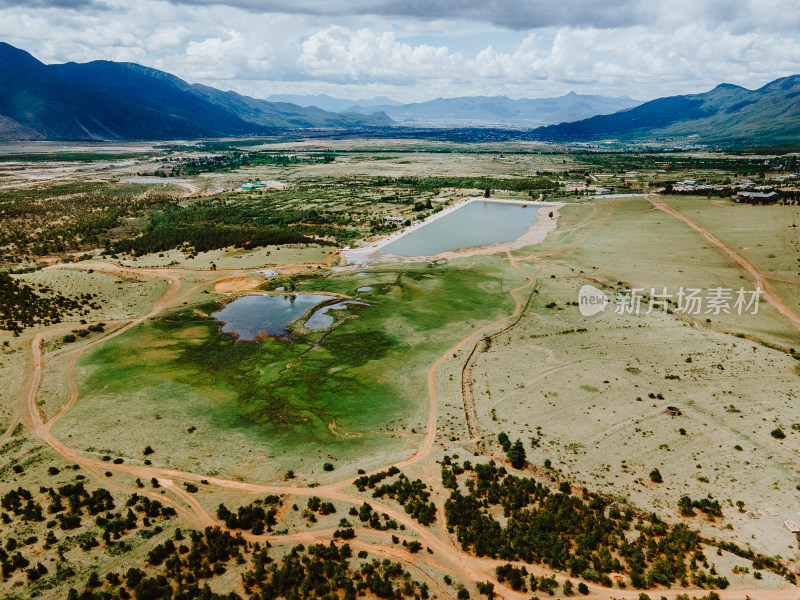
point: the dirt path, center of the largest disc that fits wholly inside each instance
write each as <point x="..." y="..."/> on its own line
<point x="37" y="415"/>
<point x="447" y="556"/>
<point x="762" y="281"/>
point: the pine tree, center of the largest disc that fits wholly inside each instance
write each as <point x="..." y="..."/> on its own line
<point x="516" y="455"/>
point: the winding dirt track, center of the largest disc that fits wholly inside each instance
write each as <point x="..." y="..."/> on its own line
<point x="430" y="436"/>
<point x="446" y="556"/>
<point x="762" y="280"/>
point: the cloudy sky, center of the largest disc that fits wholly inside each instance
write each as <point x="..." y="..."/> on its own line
<point x="414" y="50"/>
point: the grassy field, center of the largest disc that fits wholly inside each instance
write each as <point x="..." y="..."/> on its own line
<point x="356" y="393"/>
<point x="121" y="296"/>
<point x="235" y="258"/>
<point x="586" y="396"/>
<point x="767" y="236"/>
<point x="625" y="242"/>
<point x="593" y="391"/>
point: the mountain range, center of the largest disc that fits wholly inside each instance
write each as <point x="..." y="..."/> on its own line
<point x="500" y="111"/>
<point x="726" y="114"/>
<point x="473" y="111"/>
<point x="326" y="102"/>
<point x="104" y="100"/>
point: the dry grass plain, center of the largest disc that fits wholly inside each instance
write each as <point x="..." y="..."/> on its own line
<point x="582" y="385"/>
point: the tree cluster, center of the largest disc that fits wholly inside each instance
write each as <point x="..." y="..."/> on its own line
<point x="585" y="535"/>
<point x="515" y="453"/>
<point x="412" y="495"/>
<point x="253" y="518"/>
<point x="21" y="306"/>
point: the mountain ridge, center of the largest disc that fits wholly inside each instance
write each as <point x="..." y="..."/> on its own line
<point x="501" y="110"/>
<point x="105" y="100"/>
<point x="727" y="113"/>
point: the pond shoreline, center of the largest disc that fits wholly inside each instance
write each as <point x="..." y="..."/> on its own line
<point x="535" y="234"/>
<point x="273" y="322"/>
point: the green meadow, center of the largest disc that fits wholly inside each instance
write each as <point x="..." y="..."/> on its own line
<point x="353" y="391"/>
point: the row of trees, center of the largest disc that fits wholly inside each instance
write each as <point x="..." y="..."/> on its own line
<point x="230" y="161"/>
<point x="516" y="184"/>
<point x="203" y="238"/>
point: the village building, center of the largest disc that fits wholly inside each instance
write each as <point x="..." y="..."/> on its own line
<point x="757" y="197"/>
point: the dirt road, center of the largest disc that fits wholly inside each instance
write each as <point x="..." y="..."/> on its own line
<point x="762" y="281"/>
<point x="447" y="555"/>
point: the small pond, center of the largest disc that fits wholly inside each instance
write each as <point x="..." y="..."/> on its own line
<point x="250" y="316"/>
<point x="322" y="320"/>
<point x="477" y="223"/>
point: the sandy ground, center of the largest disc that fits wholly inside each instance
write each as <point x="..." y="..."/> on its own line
<point x="231" y="285"/>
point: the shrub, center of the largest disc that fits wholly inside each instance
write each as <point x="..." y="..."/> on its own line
<point x="505" y="443"/>
<point x="685" y="506"/>
<point x="655" y="476"/>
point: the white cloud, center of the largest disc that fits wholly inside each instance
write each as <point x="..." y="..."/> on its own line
<point x="168" y="38"/>
<point x="226" y="58"/>
<point x="418" y="50"/>
<point x="341" y="54"/>
<point x="637" y="60"/>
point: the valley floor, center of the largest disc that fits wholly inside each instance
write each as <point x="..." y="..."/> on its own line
<point x="448" y="353"/>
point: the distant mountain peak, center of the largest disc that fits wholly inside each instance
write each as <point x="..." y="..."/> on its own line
<point x="501" y="111"/>
<point x="727" y="86"/>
